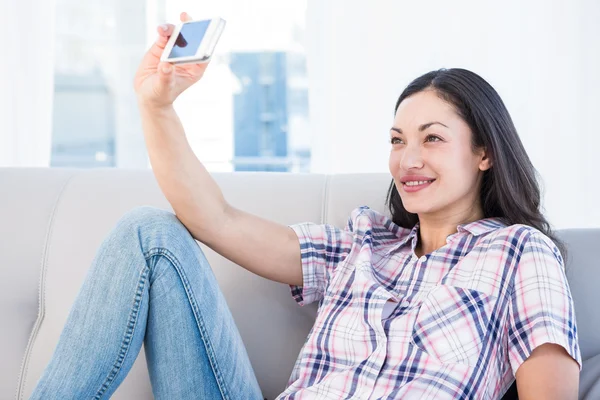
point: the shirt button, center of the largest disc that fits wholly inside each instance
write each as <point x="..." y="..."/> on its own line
<point x="423" y="259"/>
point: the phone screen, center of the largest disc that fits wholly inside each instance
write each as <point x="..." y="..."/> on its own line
<point x="189" y="38"/>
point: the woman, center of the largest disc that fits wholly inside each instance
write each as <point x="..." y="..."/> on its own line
<point x="461" y="292"/>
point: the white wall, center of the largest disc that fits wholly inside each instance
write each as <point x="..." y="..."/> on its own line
<point x="541" y="56"/>
<point x="26" y="82"/>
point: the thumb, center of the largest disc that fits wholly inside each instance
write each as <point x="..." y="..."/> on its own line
<point x="165" y="70"/>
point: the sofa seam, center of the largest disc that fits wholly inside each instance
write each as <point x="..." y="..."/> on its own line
<point x="23" y="370"/>
<point x="324" y="209"/>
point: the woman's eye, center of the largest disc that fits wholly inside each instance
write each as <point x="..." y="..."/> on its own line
<point x="395" y="140"/>
<point x="436" y="138"/>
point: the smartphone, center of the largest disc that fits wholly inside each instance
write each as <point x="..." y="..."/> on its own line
<point x="193" y="41"/>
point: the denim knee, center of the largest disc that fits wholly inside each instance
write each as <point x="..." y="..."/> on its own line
<point x="143" y="215"/>
<point x="146" y="218"/>
<point x="150" y="226"/>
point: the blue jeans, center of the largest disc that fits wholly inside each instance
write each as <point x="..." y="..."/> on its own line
<point x="151" y="283"/>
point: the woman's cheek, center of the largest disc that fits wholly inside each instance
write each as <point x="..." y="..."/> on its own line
<point x="394" y="163"/>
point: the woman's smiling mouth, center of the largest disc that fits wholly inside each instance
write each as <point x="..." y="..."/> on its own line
<point x="416" y="185"/>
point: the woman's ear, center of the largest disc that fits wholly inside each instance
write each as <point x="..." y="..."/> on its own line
<point x="486" y="161"/>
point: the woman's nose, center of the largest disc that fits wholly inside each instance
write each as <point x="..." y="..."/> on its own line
<point x="411" y="158"/>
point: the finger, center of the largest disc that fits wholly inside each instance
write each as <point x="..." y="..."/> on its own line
<point x="165" y="70"/>
<point x="185" y="17"/>
<point x="158" y="47"/>
<point x="165" y="29"/>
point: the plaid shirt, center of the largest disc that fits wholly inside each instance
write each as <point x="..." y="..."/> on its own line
<point x="465" y="318"/>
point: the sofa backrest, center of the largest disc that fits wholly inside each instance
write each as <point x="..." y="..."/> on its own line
<point x="583" y="273"/>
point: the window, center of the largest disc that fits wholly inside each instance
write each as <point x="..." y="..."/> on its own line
<point x="248" y="113"/>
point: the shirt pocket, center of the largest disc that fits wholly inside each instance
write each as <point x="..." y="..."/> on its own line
<point x="452" y="324"/>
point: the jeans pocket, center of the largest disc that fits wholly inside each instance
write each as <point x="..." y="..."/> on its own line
<point x="452" y="323"/>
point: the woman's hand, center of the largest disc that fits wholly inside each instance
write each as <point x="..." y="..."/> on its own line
<point x="158" y="84"/>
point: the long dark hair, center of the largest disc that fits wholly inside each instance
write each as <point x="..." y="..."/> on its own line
<point x="509" y="189"/>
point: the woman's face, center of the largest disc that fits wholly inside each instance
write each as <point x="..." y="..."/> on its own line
<point x="432" y="161"/>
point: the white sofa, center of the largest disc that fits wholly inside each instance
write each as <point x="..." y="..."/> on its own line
<point x="53" y="220"/>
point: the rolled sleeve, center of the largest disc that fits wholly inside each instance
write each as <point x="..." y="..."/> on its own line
<point x="322" y="248"/>
<point x="541" y="308"/>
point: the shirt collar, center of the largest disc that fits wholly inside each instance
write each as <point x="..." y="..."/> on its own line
<point x="475" y="228"/>
<point x="481" y="227"/>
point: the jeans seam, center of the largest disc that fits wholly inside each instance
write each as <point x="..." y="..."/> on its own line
<point x="128" y="335"/>
<point x="197" y="314"/>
